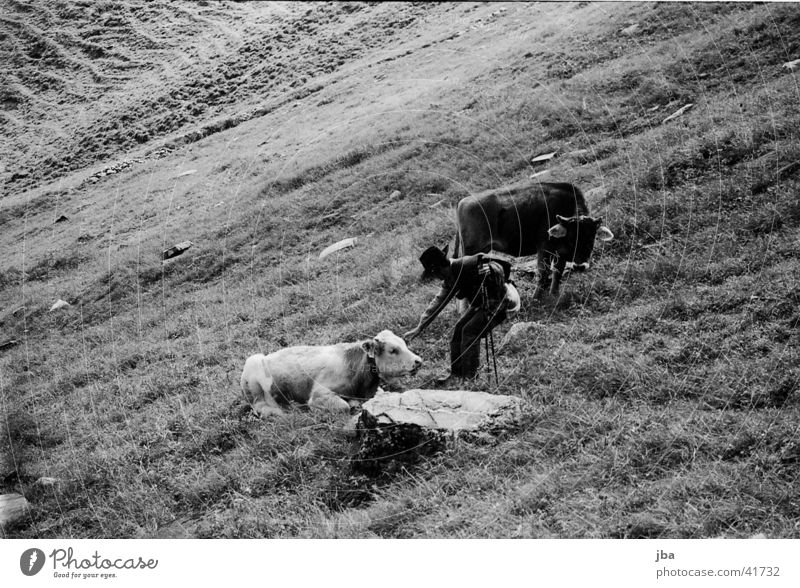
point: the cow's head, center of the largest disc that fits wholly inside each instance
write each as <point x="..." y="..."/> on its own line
<point x="392" y="356"/>
<point x="574" y="238"/>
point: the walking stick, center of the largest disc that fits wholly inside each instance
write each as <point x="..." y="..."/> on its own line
<point x="494" y="358"/>
<point x="489" y="336"/>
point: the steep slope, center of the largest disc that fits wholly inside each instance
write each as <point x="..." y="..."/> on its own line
<point x="660" y="390"/>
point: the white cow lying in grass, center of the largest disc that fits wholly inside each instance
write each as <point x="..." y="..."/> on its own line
<point x="331" y="377"/>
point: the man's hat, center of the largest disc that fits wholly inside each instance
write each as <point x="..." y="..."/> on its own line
<point x="432" y="258"/>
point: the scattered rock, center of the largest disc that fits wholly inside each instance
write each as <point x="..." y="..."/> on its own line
<point x="59" y="304"/>
<point x="544" y="157"/>
<point x="60" y="219"/>
<point x="46" y="481"/>
<point x="330" y="217"/>
<point x="338" y="246"/>
<point x="677" y="113"/>
<point x="176" y="250"/>
<point x="8" y="344"/>
<point x="541" y="173"/>
<point x="13" y="507"/>
<point x="401" y="427"/>
<point x="628" y="31"/>
<point x="791" y="65"/>
<point x="437" y="204"/>
<point x="393" y="195"/>
<point x="519" y="337"/>
<point x="188" y="172"/>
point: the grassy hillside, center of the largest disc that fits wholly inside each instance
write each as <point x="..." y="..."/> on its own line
<point x="660" y="390"/>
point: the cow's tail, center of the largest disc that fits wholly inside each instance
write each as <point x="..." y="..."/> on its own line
<point x="455" y="245"/>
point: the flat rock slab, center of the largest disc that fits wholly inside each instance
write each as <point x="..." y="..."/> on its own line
<point x="13" y="507"/>
<point x="443" y="410"/>
<point x="400" y="427"/>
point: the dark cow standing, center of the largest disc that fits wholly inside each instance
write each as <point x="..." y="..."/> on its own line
<point x="549" y="220"/>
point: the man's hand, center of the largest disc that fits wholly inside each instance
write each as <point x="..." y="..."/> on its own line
<point x="412" y="334"/>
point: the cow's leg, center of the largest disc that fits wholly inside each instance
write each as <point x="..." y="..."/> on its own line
<point x="256" y="385"/>
<point x="557" y="273"/>
<point x="265" y="409"/>
<point x="325" y="399"/>
<point x="542" y="273"/>
<point x="256" y="390"/>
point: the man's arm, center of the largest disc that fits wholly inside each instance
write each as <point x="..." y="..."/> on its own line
<point x="436" y="306"/>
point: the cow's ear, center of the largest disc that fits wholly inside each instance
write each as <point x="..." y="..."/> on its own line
<point x="369" y="347"/>
<point x="373" y="347"/>
<point x="557" y="231"/>
<point x="604" y="233"/>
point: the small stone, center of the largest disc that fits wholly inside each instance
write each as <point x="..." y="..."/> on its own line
<point x="176" y="250"/>
<point x="544" y="157"/>
<point x="59" y="304"/>
<point x="338" y="246"/>
<point x="791" y="65"/>
<point x="628" y="31"/>
<point x="8" y="344"/>
<point x="677" y="113"/>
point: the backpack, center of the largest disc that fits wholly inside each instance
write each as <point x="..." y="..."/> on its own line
<point x="495" y="273"/>
<point x="500" y="287"/>
<point x="504" y="263"/>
